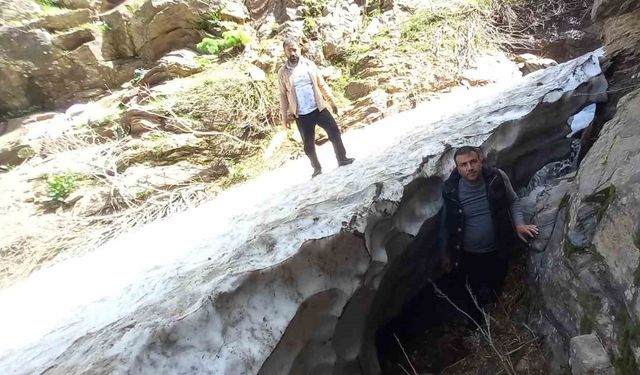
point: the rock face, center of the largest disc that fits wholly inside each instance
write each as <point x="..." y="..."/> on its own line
<point x="587" y="265"/>
<point x="274" y="279"/>
<point x="588" y="253"/>
<point x="588" y="357"/>
<point x="175" y="64"/>
<point x="14" y="10"/>
<point x="32" y="62"/>
<point x="67" y="56"/>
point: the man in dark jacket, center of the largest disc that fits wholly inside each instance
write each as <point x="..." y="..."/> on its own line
<point x="481" y="218"/>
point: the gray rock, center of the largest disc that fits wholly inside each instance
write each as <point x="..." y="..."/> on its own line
<point x="607" y="8"/>
<point x="587" y="275"/>
<point x="89" y="201"/>
<point x="37" y="72"/>
<point x="63" y="21"/>
<point x="161" y="26"/>
<point x="588" y="357"/>
<point x="358" y="89"/>
<point x="175" y="64"/>
<point x="73" y="39"/>
<point x="117" y="42"/>
<point x="236" y="12"/>
<point x="18" y="10"/>
<point x="339" y="26"/>
<point x="528" y="63"/>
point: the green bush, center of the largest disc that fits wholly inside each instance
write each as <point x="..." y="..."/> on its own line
<point x="60" y="186"/>
<point x="103" y="26"/>
<point x="230" y="39"/>
<point x="49" y="3"/>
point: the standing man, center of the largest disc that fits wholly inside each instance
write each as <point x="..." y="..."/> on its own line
<point x="302" y="98"/>
<point x="482" y="217"/>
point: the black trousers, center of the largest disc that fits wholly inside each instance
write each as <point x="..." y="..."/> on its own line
<point x="485" y="274"/>
<point x="307" y="128"/>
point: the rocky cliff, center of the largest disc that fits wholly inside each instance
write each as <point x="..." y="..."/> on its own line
<point x="585" y="266"/>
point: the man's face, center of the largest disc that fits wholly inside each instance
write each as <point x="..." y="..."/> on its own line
<point x="469" y="166"/>
<point x="292" y="51"/>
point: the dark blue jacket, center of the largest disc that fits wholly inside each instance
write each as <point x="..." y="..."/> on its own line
<point x="452" y="220"/>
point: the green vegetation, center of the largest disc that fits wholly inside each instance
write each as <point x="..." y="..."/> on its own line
<point x="230" y="39"/>
<point x="205" y="61"/>
<point x="569" y="248"/>
<point x="310" y="28"/>
<point x="134" y="5"/>
<point x="590" y="305"/>
<point x="603" y="198"/>
<point x="48" y="3"/>
<point x="565" y="201"/>
<point x="629" y="332"/>
<point x="431" y="49"/>
<point x="60" y="186"/>
<point x="313" y="8"/>
<point x="232" y="103"/>
<point x="138" y="74"/>
<point x="238" y="173"/>
<point x="210" y="19"/>
<point x="103" y="26"/>
<point x="453" y="33"/>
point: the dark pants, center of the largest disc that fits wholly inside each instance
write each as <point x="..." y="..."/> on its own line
<point x="485" y="274"/>
<point x="307" y="125"/>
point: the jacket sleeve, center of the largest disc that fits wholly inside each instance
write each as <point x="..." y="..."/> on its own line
<point x="284" y="100"/>
<point x="514" y="200"/>
<point x="324" y="88"/>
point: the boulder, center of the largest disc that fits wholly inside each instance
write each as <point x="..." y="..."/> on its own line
<point x="63" y="21"/>
<point x="603" y="9"/>
<point x="161" y="26"/>
<point x="94" y="5"/>
<point x="339" y="26"/>
<point x="235" y="11"/>
<point x="137" y="121"/>
<point x="18" y="10"/>
<point x="284" y="275"/>
<point x="588" y="357"/>
<point x="528" y="63"/>
<point x="40" y="70"/>
<point x="73" y="39"/>
<point x="358" y="89"/>
<point x="117" y="42"/>
<point x="89" y="200"/>
<point x="175" y="64"/>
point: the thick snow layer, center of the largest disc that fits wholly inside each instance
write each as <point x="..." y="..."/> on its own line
<point x="214" y="289"/>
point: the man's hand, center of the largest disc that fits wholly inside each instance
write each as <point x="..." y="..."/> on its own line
<point x="446" y="264"/>
<point x="288" y="120"/>
<point x="527" y="231"/>
<point x="334" y="108"/>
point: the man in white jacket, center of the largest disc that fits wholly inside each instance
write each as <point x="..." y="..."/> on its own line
<point x="303" y="97"/>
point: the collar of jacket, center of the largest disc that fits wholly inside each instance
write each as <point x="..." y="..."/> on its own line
<point x="450" y="187"/>
<point x="301" y="61"/>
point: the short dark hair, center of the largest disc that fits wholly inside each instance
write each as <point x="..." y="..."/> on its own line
<point x="466" y="150"/>
<point x="289" y="42"/>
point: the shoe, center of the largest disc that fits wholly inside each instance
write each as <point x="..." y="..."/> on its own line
<point x="316" y="172"/>
<point x="346" y="161"/>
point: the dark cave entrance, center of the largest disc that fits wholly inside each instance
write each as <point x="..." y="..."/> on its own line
<point x="430" y="336"/>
